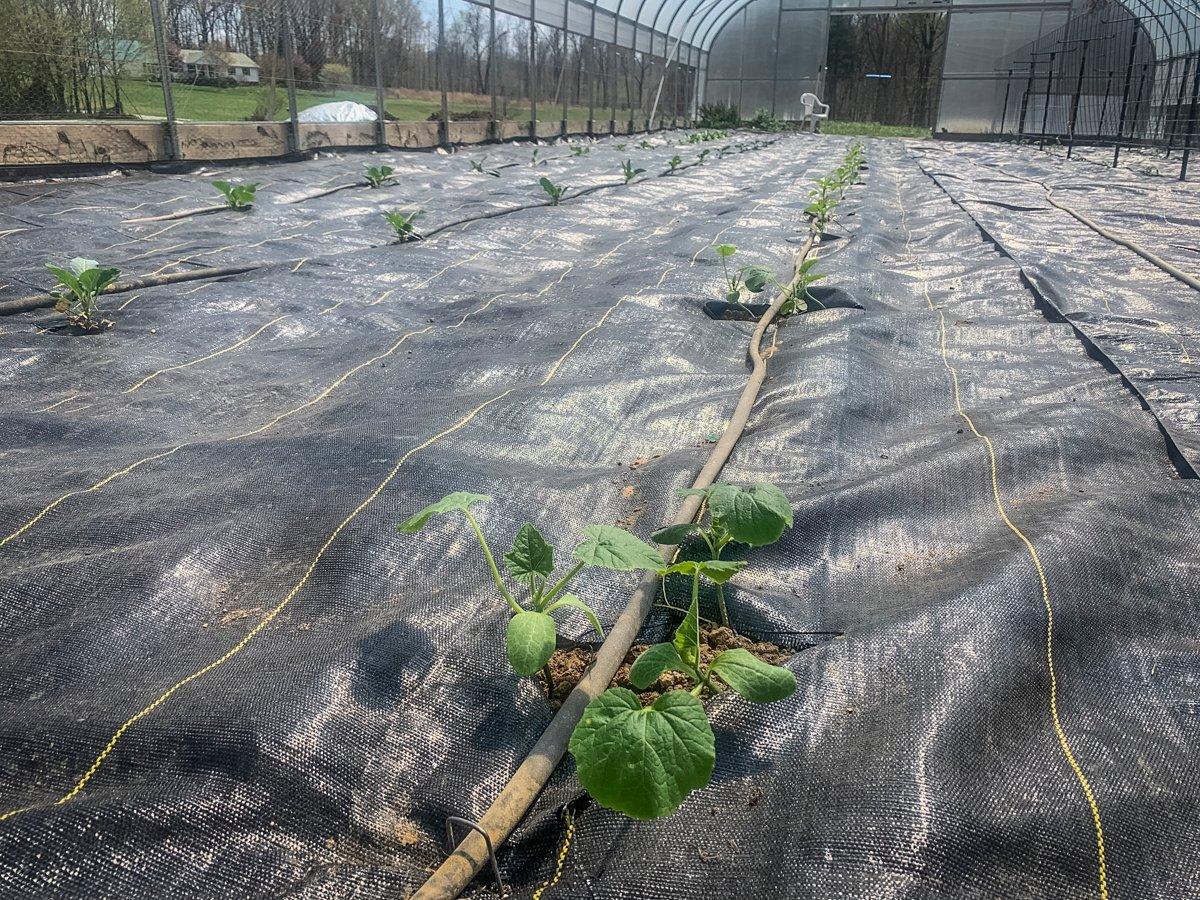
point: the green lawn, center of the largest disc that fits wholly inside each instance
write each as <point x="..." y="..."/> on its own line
<point x="212" y="104"/>
<point x="873" y="129"/>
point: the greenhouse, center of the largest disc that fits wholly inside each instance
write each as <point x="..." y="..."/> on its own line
<point x="599" y="449"/>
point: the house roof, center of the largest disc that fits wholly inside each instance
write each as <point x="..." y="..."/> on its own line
<point x="217" y="57"/>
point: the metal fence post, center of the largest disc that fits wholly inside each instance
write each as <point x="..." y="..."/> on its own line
<point x="290" y="79"/>
<point x="444" y="114"/>
<point x="1025" y="98"/>
<point x="494" y="125"/>
<point x="1046" y="105"/>
<point x="377" y="50"/>
<point x="562" y="75"/>
<point x="1125" y="93"/>
<point x="533" y="69"/>
<point x="170" y="134"/>
<point x="591" y="75"/>
<point x="1075" y="101"/>
<point x="1191" y="130"/>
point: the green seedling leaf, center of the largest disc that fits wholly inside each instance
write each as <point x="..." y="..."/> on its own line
<point x="674" y="534"/>
<point x="555" y="191"/>
<point x="404" y="224"/>
<point x="756" y="278"/>
<point x="757" y="516"/>
<point x="378" y="175"/>
<point x="643" y="762"/>
<point x="530" y="641"/>
<point x="79" y="285"/>
<point x="724" y="250"/>
<point x="655" y="660"/>
<point x="530" y="555"/>
<point x="574" y="602"/>
<point x="459" y="500"/>
<point x="609" y="547"/>
<point x="687" y="636"/>
<point x="757" y="681"/>
<point x="718" y="571"/>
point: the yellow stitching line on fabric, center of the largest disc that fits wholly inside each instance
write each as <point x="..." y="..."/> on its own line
<point x="1187" y="356"/>
<point x="325" y="393"/>
<point x="58" y="404"/>
<point x="562" y="857"/>
<point x="267" y="619"/>
<point x="154" y="250"/>
<point x="95" y="487"/>
<point x="247" y="339"/>
<point x="4" y="234"/>
<point x="296" y="269"/>
<point x="127" y="302"/>
<point x="1059" y="731"/>
<point x="329" y="390"/>
<point x="274" y="612"/>
<point x="146" y="238"/>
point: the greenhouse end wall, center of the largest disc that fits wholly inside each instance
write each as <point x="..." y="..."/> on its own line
<point x="770" y="52"/>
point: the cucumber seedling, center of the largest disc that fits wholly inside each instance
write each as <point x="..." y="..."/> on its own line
<point x="477" y="166"/>
<point x="644" y="761"/>
<point x="621" y="146"/>
<point x="580" y="150"/>
<point x="536" y="159"/>
<point x="704" y="154"/>
<point x="629" y="171"/>
<point x="554" y="191"/>
<point x="377" y="176"/>
<point x="755" y="516"/>
<point x="80" y="284"/>
<point x="798" y="295"/>
<point x="532" y="633"/>
<point x="237" y="196"/>
<point x="752" y="278"/>
<point x="674" y="162"/>
<point x="645" y="145"/>
<point x="404" y="225"/>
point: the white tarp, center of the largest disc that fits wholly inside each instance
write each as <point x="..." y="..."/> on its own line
<point x="340" y="111"/>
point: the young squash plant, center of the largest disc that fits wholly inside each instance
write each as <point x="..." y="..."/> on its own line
<point x="754" y="516"/>
<point x="644" y="761"/>
<point x="554" y="191"/>
<point x="674" y="163"/>
<point x="532" y="633"/>
<point x="80" y="283"/>
<point x="404" y="225"/>
<point x="630" y="172"/>
<point x="237" y="196"/>
<point x="751" y="278"/>
<point x="580" y="150"/>
<point x="377" y="176"/>
<point x="645" y="145"/>
<point x="477" y="165"/>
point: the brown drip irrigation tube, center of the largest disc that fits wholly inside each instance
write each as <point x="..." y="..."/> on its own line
<point x="1153" y="258"/>
<point x="518" y="795"/>
<point x="39" y="301"/>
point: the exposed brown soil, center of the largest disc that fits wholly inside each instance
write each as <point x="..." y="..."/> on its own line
<point x="567" y="666"/>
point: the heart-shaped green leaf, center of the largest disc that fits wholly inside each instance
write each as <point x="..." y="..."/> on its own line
<point x="530" y="555"/>
<point x="674" y="534"/>
<point x="459" y="500"/>
<point x="609" y="547"/>
<point x="652" y="663"/>
<point x="530" y="641"/>
<point x="757" y="278"/>
<point x="717" y="571"/>
<point x="643" y="762"/>
<point x="757" y="681"/>
<point x="756" y="516"/>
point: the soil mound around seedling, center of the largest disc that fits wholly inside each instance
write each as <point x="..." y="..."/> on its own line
<point x="568" y="665"/>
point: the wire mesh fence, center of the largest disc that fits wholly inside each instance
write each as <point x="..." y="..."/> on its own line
<point x="565" y="64"/>
<point x="1111" y="78"/>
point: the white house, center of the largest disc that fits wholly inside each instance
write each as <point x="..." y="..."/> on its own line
<point x="218" y="64"/>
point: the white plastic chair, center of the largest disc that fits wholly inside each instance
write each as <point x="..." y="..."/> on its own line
<point x="814" y="110"/>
